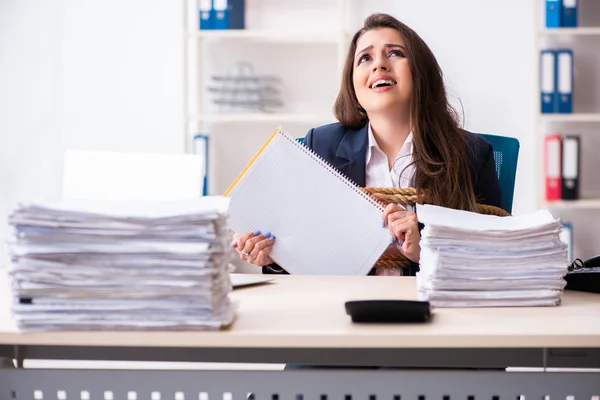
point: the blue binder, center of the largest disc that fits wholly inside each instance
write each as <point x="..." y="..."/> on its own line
<point x="564" y="85"/>
<point x="221" y="12"/>
<point x="201" y="147"/>
<point x="237" y="17"/>
<point x="205" y="15"/>
<point x="553" y="13"/>
<point x="569" y="13"/>
<point x="548" y="81"/>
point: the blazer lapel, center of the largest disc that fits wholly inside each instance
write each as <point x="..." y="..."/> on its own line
<point x="353" y="148"/>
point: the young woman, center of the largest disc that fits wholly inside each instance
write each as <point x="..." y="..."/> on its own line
<point x="396" y="129"/>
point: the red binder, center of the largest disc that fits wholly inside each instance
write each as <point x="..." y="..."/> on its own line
<point x="553" y="166"/>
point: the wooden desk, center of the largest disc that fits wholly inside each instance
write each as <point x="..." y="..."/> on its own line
<point x="301" y="319"/>
<point x="308" y="312"/>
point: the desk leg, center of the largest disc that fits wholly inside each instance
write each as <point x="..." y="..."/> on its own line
<point x="6" y="363"/>
<point x="19" y="355"/>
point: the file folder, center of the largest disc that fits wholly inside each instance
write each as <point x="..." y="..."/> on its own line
<point x="564" y="70"/>
<point x="201" y="147"/>
<point x="569" y="13"/>
<point x="205" y="15"/>
<point x="548" y="81"/>
<point x="553" y="166"/>
<point x="553" y="13"/>
<point x="570" y="167"/>
<point x="237" y="16"/>
<point x="221" y="13"/>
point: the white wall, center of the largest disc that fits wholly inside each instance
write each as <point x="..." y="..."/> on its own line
<point x="107" y="74"/>
<point x="485" y="50"/>
<point x="84" y="74"/>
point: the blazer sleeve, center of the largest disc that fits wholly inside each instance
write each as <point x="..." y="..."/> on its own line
<point x="486" y="185"/>
<point x="274" y="268"/>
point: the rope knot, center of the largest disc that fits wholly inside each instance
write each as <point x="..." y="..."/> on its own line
<point x="410" y="197"/>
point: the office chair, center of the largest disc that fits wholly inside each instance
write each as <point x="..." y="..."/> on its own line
<point x="506" y="154"/>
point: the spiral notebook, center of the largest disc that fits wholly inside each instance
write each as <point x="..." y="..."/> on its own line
<point x="324" y="224"/>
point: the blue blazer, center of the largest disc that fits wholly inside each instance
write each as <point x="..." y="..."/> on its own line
<point x="346" y="150"/>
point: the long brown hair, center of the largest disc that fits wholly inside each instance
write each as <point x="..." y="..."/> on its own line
<point x="441" y="153"/>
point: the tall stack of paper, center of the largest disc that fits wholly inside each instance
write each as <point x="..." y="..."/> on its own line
<point x="476" y="260"/>
<point x="121" y="265"/>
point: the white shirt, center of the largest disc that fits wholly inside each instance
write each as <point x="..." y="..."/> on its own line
<point x="378" y="174"/>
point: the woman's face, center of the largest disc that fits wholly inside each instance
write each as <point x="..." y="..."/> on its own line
<point x="382" y="78"/>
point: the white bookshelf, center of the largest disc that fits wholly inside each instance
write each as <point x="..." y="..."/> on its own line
<point x="224" y="128"/>
<point x="579" y="31"/>
<point x="306" y="37"/>
<point x="574" y="204"/>
<point x="584" y="41"/>
<point x="262" y="117"/>
<point x="556" y="37"/>
<point x="575" y="117"/>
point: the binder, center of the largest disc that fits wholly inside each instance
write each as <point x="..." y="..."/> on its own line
<point x="553" y="13"/>
<point x="553" y="166"/>
<point x="201" y="147"/>
<point x="237" y="14"/>
<point x="569" y="13"/>
<point x="221" y="13"/>
<point x="548" y="81"/>
<point x="324" y="223"/>
<point x="205" y="15"/>
<point x="570" y="167"/>
<point x="564" y="87"/>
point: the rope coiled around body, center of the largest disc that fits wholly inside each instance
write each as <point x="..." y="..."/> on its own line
<point x="410" y="197"/>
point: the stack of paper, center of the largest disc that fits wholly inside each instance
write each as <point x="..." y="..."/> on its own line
<point x="476" y="260"/>
<point x="121" y="265"/>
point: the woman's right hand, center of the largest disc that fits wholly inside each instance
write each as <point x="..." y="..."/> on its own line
<point x="254" y="247"/>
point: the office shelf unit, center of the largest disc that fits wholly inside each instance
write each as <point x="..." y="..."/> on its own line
<point x="546" y="123"/>
<point x="582" y="214"/>
<point x="579" y="204"/>
<point x="308" y="58"/>
<point x="268" y="36"/>
<point x="580" y="31"/>
<point x="576" y="117"/>
<point x="261" y="117"/>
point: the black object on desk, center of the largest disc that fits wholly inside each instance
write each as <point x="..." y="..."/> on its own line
<point x="584" y="276"/>
<point x="388" y="311"/>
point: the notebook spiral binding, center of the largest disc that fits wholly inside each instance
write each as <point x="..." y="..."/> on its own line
<point x="330" y="168"/>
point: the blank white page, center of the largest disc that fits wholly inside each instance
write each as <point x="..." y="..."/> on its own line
<point x="110" y="175"/>
<point x="323" y="223"/>
<point x="467" y="220"/>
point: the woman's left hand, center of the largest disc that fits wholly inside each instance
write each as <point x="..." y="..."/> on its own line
<point x="404" y="230"/>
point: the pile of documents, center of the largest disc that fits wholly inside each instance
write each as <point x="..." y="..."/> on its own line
<point x="476" y="260"/>
<point x="161" y="265"/>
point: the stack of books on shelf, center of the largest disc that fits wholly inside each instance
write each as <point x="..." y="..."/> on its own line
<point x="561" y="14"/>
<point x="221" y="14"/>
<point x="81" y="265"/>
<point x="556" y="81"/>
<point x="476" y="260"/>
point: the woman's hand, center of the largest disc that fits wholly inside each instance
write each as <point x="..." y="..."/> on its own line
<point x="254" y="247"/>
<point x="404" y="229"/>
